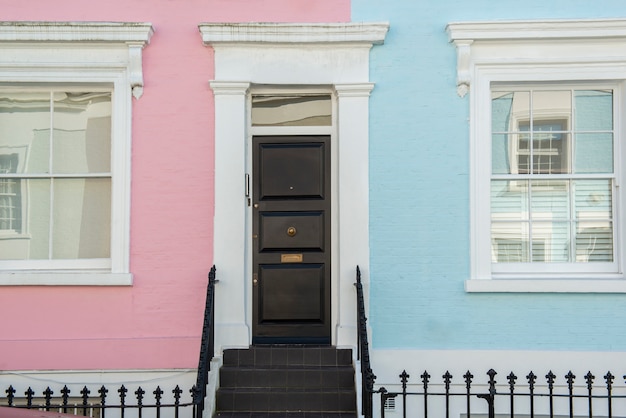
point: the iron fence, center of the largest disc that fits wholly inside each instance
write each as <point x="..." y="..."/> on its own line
<point x="526" y="397"/>
<point x="102" y="402"/>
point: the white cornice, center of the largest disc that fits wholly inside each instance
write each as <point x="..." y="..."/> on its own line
<point x="513" y="42"/>
<point x="537" y="29"/>
<point x="76" y="32"/>
<point x="35" y="36"/>
<point x="370" y="33"/>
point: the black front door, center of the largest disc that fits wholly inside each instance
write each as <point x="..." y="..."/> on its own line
<point x="291" y="239"/>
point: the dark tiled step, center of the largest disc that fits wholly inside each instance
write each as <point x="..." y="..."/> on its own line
<point x="237" y="400"/>
<point x="285" y="415"/>
<point x="314" y="377"/>
<point x="288" y="356"/>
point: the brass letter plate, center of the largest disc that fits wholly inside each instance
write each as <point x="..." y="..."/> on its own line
<point x="291" y="258"/>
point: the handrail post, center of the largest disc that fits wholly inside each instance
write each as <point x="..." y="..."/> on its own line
<point x="207" y="346"/>
<point x="367" y="376"/>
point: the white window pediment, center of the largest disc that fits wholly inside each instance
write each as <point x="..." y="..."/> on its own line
<point x="324" y="53"/>
<point x="542" y="43"/>
<point x="93" y="57"/>
<point x="558" y="53"/>
<point x="74" y="46"/>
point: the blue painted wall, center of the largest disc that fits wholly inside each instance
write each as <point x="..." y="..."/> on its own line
<point x="419" y="207"/>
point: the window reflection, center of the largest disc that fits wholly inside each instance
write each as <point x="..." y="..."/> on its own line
<point x="55" y="179"/>
<point x="544" y="206"/>
<point x="275" y="110"/>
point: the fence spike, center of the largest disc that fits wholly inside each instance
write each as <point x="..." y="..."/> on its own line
<point x="139" y="393"/>
<point x="608" y="377"/>
<point x="10" y="394"/>
<point x="447" y="378"/>
<point x="511" y="378"/>
<point x="29" y="397"/>
<point x="122" y="391"/>
<point x="468" y="379"/>
<point x="47" y="396"/>
<point x="157" y="395"/>
<point x="177" y="392"/>
<point x="589" y="377"/>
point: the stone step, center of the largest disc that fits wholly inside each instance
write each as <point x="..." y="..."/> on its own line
<point x="286" y="381"/>
<point x="302" y="377"/>
<point x="258" y="400"/>
<point x="285" y="415"/>
<point x="288" y="356"/>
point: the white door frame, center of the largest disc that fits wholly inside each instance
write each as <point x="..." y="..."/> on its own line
<point x="308" y="55"/>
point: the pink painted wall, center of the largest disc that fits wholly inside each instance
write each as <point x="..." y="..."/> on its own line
<point x="157" y="322"/>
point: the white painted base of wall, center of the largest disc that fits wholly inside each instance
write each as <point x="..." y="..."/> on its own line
<point x="387" y="365"/>
<point x="75" y="380"/>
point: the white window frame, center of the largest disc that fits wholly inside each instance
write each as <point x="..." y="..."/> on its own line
<point x="552" y="51"/>
<point x="84" y="56"/>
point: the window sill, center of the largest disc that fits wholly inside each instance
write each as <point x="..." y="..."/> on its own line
<point x="546" y="286"/>
<point x="65" y="279"/>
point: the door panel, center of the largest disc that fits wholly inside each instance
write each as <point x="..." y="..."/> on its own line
<point x="291" y="239"/>
<point x="307" y="233"/>
<point x="292" y="293"/>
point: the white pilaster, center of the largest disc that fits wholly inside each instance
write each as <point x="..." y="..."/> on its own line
<point x="353" y="203"/>
<point x="229" y="246"/>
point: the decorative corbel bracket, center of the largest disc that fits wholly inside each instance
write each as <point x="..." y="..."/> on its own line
<point x="135" y="68"/>
<point x="463" y="75"/>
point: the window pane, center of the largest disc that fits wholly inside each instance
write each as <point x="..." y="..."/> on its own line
<point x="34" y="244"/>
<point x="594" y="242"/>
<point x="10" y="195"/>
<point x="25" y="130"/>
<point x="594" y="229"/>
<point x="82" y="132"/>
<point x="500" y="153"/>
<point x="82" y="214"/>
<point x="291" y="110"/>
<point x="550" y="105"/>
<point x="593" y="199"/>
<point x="550" y="200"/>
<point x="510" y="243"/>
<point x="550" y="241"/>
<point x="594" y="110"/>
<point x="509" y="200"/>
<point x="594" y="153"/>
<point x="507" y="107"/>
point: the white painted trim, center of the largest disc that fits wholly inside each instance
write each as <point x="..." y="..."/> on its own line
<point x="556" y="51"/>
<point x="102" y="56"/>
<point x="301" y="57"/>
<point x="537" y="29"/>
<point x="293" y="33"/>
<point x="546" y="286"/>
<point x="34" y="31"/>
<point x="65" y="279"/>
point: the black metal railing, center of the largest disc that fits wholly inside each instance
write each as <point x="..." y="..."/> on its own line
<point x="207" y="346"/>
<point x="363" y="353"/>
<point x="96" y="402"/>
<point x="512" y="399"/>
